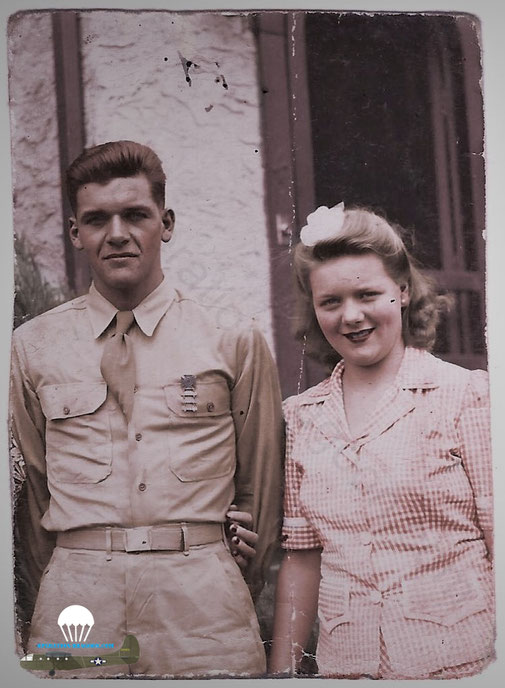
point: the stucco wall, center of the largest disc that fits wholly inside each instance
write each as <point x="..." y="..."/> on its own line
<point x="186" y="84"/>
<point x="35" y="168"/>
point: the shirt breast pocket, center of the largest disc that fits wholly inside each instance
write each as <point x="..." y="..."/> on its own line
<point x="201" y="433"/>
<point x="78" y="434"/>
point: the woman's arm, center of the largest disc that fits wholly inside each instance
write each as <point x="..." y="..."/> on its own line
<point x="295" y="608"/>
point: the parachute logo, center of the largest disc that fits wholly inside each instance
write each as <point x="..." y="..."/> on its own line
<point x="75" y="617"/>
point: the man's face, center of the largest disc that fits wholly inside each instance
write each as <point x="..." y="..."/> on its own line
<point x="120" y="228"/>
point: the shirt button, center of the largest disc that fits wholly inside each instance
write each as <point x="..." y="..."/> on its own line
<point x="365" y="538"/>
<point x="142" y="487"/>
<point x="375" y="596"/>
<point x="66" y="410"/>
<point x="210" y="407"/>
<point x="138" y="436"/>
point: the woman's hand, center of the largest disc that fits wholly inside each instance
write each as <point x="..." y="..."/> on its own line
<point x="241" y="538"/>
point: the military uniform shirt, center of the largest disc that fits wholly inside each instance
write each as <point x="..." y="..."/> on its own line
<point x="169" y="464"/>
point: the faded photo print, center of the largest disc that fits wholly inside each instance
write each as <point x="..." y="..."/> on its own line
<point x="249" y="400"/>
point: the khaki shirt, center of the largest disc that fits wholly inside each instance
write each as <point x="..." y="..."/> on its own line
<point x="86" y="467"/>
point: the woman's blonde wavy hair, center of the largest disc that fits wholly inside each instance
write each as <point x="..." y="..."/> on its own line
<point x="363" y="232"/>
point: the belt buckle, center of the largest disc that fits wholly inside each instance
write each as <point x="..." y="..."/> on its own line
<point x="138" y="539"/>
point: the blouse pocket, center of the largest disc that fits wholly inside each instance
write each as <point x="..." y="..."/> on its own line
<point x="78" y="434"/>
<point x="443" y="597"/>
<point x="334" y="608"/>
<point x="202" y="433"/>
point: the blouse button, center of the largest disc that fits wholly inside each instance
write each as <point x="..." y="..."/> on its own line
<point x="142" y="487"/>
<point x="138" y="436"/>
<point x="210" y="407"/>
<point x="66" y="410"/>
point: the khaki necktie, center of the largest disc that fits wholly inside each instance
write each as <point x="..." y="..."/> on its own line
<point x="118" y="363"/>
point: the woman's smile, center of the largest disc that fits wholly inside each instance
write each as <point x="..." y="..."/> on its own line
<point x="359" y="335"/>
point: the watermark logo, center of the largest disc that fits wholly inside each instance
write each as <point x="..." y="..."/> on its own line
<point x="56" y="659"/>
<point x="75" y="623"/>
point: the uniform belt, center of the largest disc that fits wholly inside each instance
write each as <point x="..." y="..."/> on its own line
<point x="172" y="536"/>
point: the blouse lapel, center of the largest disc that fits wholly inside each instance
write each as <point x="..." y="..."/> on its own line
<point x="394" y="405"/>
<point x="416" y="372"/>
<point x="329" y="416"/>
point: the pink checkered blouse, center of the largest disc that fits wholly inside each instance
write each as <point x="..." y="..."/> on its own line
<point x="399" y="512"/>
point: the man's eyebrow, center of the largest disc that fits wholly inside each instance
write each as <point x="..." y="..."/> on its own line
<point x="100" y="212"/>
<point x="143" y="208"/>
<point x="95" y="212"/>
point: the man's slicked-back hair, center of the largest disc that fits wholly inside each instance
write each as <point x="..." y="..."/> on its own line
<point x="113" y="159"/>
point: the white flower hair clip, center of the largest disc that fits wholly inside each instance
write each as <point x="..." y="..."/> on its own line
<point x="323" y="224"/>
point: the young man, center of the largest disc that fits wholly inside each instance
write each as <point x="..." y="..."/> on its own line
<point x="140" y="420"/>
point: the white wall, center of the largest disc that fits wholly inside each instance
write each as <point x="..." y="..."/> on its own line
<point x="207" y="134"/>
<point x="34" y="142"/>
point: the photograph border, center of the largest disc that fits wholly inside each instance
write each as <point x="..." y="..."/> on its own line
<point x="492" y="18"/>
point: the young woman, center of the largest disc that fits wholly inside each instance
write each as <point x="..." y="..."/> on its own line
<point x="388" y="502"/>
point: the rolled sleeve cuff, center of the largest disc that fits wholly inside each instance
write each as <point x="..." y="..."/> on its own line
<point x="297" y="533"/>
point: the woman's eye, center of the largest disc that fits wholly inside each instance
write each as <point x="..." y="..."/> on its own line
<point x="330" y="301"/>
<point x="369" y="294"/>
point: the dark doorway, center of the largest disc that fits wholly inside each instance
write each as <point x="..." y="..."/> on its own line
<point x="370" y="118"/>
<point x="388" y="115"/>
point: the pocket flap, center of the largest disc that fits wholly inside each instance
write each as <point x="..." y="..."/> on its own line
<point x="443" y="597"/>
<point x="210" y="399"/>
<point x="71" y="399"/>
<point x="334" y="599"/>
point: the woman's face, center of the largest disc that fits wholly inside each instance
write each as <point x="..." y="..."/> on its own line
<point x="359" y="309"/>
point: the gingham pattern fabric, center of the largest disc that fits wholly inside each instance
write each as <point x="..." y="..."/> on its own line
<point x="399" y="512"/>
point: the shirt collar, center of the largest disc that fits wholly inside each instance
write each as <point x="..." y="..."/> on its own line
<point x="418" y="370"/>
<point x="147" y="314"/>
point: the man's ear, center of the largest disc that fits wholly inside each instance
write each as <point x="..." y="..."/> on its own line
<point x="73" y="230"/>
<point x="168" y="219"/>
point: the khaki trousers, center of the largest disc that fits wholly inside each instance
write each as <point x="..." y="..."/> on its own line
<point x="192" y="614"/>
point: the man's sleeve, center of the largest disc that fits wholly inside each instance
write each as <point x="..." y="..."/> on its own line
<point x="32" y="544"/>
<point x="257" y="413"/>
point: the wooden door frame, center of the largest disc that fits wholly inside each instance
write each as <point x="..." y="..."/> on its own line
<point x="455" y="276"/>
<point x="289" y="175"/>
<point x="71" y="131"/>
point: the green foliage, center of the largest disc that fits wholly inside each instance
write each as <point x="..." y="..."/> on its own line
<point x="33" y="294"/>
